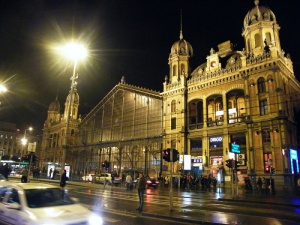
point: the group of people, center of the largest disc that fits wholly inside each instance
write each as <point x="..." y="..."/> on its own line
<point x="190" y="182"/>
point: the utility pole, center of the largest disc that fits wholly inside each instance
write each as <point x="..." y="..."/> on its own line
<point x="171" y="181"/>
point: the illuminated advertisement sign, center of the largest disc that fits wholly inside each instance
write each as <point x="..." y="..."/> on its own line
<point x="234" y="148"/>
<point x="216" y="139"/>
<point x="294" y="161"/>
<point x="187" y="162"/>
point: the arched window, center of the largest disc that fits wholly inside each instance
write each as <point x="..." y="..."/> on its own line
<point x="248" y="45"/>
<point x="182" y="70"/>
<point x="174" y="70"/>
<point x="257" y="40"/>
<point x="173" y="106"/>
<point x="268" y="38"/>
<point x="261" y="85"/>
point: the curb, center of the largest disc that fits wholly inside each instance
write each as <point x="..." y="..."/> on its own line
<point x="178" y="219"/>
<point x="258" y="202"/>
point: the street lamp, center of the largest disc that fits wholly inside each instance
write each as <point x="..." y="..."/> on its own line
<point x="3" y="89"/>
<point x="74" y="52"/>
<point x="24" y="142"/>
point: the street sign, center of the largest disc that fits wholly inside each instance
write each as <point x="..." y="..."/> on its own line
<point x="235" y="148"/>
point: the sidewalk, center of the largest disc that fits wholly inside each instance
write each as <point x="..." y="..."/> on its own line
<point x="189" y="215"/>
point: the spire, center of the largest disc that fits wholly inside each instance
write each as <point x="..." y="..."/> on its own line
<point x="181" y="35"/>
<point x="256" y="2"/>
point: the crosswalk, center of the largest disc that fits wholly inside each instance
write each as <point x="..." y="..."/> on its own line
<point x="148" y="198"/>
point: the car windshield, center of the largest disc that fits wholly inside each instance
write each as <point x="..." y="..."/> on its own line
<point x="37" y="198"/>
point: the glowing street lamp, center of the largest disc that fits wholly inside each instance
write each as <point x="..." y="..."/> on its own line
<point x="74" y="52"/>
<point x="24" y="142"/>
<point x="3" y="89"/>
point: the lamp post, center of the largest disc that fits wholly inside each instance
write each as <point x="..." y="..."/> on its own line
<point x="24" y="142"/>
<point x="75" y="52"/>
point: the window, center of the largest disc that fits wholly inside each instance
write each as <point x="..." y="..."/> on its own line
<point x="173" y="106"/>
<point x="173" y="123"/>
<point x="196" y="144"/>
<point x="263" y="107"/>
<point x="266" y="136"/>
<point x="174" y="70"/>
<point x="267" y="160"/>
<point x="257" y="40"/>
<point x="268" y="38"/>
<point x="2" y="193"/>
<point x="261" y="85"/>
<point x="13" y="197"/>
<point x="196" y="112"/>
<point x="215" y="142"/>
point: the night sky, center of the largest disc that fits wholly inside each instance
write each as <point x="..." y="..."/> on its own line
<point x="130" y="38"/>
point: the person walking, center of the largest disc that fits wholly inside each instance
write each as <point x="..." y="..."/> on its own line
<point x="63" y="180"/>
<point x="24" y="175"/>
<point x="259" y="185"/>
<point x="141" y="186"/>
<point x="6" y="171"/>
<point x="50" y="173"/>
<point x="264" y="187"/>
<point x="128" y="182"/>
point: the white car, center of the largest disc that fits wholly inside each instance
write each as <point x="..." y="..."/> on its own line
<point x="88" y="177"/>
<point x="41" y="204"/>
<point x="104" y="177"/>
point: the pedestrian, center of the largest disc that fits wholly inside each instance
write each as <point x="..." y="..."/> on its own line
<point x="63" y="180"/>
<point x="54" y="174"/>
<point x="6" y="171"/>
<point x="24" y="175"/>
<point x="128" y="182"/>
<point x="259" y="185"/>
<point x="264" y="187"/>
<point x="112" y="179"/>
<point x="141" y="186"/>
<point x="167" y="181"/>
<point x="50" y="173"/>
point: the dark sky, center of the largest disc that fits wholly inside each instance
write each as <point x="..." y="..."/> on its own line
<point x="130" y="38"/>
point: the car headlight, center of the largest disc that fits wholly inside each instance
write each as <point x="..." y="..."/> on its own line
<point x="95" y="220"/>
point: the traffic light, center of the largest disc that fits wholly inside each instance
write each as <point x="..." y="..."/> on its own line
<point x="34" y="158"/>
<point x="175" y="155"/>
<point x="26" y="158"/>
<point x="166" y="154"/>
<point x="229" y="163"/>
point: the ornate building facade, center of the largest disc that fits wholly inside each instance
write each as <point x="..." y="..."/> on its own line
<point x="247" y="96"/>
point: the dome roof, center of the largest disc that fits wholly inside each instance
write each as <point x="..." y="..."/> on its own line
<point x="54" y="106"/>
<point x="258" y="13"/>
<point x="182" y="47"/>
